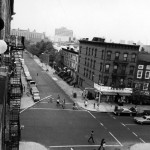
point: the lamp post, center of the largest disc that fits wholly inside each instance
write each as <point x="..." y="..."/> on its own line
<point x="99" y="98"/>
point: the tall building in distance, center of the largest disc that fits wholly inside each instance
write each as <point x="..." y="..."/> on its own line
<point x="63" y="35"/>
<point x="32" y="36"/>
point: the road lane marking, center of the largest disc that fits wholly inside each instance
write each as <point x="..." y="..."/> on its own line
<point x="142" y="140"/>
<point x="115" y="138"/>
<point x="123" y="124"/>
<point x="130" y="124"/>
<point x="134" y="134"/>
<point x="69" y="146"/>
<point x="35" y="103"/>
<point x="38" y="108"/>
<point x="54" y="78"/>
<point x="101" y="124"/>
<point x="91" y="114"/>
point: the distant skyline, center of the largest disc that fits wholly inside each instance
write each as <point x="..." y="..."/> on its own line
<point x="115" y="20"/>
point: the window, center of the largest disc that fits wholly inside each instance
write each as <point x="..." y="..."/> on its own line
<point x="102" y="54"/>
<point x="88" y="62"/>
<point x="140" y="66"/>
<point x="89" y="51"/>
<point x="91" y="63"/>
<point x="133" y="57"/>
<point x="117" y="56"/>
<point x="125" y="56"/>
<point x="129" y="82"/>
<point x="87" y="73"/>
<point x="148" y="67"/>
<point x="107" y="68"/>
<point x="131" y="70"/>
<point x="147" y="74"/>
<point x="86" y="50"/>
<point x="115" y="68"/>
<point x="94" y="64"/>
<point x="99" y="79"/>
<point x="145" y="86"/>
<point x="95" y="52"/>
<point x="106" y="80"/>
<point x="139" y="74"/>
<point x="92" y="51"/>
<point x="108" y="55"/>
<point x="92" y="76"/>
<point x="100" y="67"/>
<point x="85" y="61"/>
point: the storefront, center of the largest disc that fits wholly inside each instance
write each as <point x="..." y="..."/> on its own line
<point x="112" y="94"/>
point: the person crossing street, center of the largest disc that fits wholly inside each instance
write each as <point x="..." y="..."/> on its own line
<point x="91" y="137"/>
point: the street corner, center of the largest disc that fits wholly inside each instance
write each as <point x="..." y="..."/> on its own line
<point x="24" y="145"/>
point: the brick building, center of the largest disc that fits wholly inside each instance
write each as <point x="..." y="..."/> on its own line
<point x="110" y="64"/>
<point x="70" y="58"/>
<point x="142" y="79"/>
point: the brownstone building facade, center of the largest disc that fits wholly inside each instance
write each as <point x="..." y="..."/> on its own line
<point x="110" y="64"/>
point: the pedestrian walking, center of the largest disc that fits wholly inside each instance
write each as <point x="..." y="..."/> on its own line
<point x="91" y="137"/>
<point x="37" y="74"/>
<point x="63" y="104"/>
<point x="58" y="97"/>
<point x="94" y="105"/>
<point x="102" y="145"/>
<point x="58" y="102"/>
<point x="86" y="103"/>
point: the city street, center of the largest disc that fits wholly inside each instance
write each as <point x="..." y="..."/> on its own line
<point x="59" y="128"/>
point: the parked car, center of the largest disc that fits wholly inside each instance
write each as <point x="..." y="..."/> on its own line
<point x="32" y="84"/>
<point x="124" y="111"/>
<point x="142" y="120"/>
<point x="28" y="78"/>
<point x="34" y="90"/>
<point x="36" y="97"/>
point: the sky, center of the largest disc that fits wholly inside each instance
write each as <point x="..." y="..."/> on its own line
<point x="114" y="20"/>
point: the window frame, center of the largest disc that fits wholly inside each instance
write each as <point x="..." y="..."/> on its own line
<point x="145" y="87"/>
<point x="139" y="77"/>
<point x="148" y="75"/>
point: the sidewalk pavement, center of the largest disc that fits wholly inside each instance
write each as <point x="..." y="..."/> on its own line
<point x="27" y="101"/>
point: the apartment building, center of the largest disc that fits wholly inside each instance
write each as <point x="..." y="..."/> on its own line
<point x="109" y="64"/>
<point x="70" y="58"/>
<point x="142" y="79"/>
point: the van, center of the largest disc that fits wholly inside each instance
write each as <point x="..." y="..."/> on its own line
<point x="34" y="90"/>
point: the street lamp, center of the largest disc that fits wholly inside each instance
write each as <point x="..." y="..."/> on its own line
<point x="99" y="98"/>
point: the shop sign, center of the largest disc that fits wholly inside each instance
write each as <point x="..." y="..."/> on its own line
<point x="110" y="89"/>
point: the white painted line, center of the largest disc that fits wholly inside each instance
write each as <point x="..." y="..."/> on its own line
<point x="134" y="134"/>
<point x="128" y="128"/>
<point x="130" y="124"/>
<point x="69" y="146"/>
<point x="91" y="114"/>
<point x="101" y="124"/>
<point x="54" y="78"/>
<point x="142" y="140"/>
<point x="35" y="103"/>
<point x="114" y="117"/>
<point x="123" y="124"/>
<point x="115" y="138"/>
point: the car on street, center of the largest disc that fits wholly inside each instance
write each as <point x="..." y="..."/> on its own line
<point x="36" y="97"/>
<point x="142" y="120"/>
<point x="32" y="84"/>
<point x="125" y="111"/>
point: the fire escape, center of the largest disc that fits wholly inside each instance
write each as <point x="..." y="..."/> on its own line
<point x="14" y="96"/>
<point x="119" y="74"/>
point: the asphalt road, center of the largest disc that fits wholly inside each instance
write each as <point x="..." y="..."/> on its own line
<point x="61" y="129"/>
